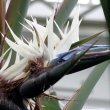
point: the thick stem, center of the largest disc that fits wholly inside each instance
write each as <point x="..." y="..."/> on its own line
<point x="2" y="22"/>
<point x="63" y="13"/>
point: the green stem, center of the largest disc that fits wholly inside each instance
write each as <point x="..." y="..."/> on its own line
<point x="64" y="12"/>
<point x="15" y="14"/>
<point x="106" y="8"/>
<point x="2" y="22"/>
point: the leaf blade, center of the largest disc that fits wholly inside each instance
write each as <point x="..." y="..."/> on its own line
<point x="64" y="12"/>
<point x="79" y="43"/>
<point x="81" y="96"/>
<point x="106" y="10"/>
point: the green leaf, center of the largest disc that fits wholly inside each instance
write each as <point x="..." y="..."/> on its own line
<point x="106" y="8"/>
<point x="63" y="13"/>
<point x="77" y="101"/>
<point x="50" y="104"/>
<point x="15" y="15"/>
<point x="79" y="43"/>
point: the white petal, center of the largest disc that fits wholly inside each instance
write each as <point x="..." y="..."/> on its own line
<point x="20" y="42"/>
<point x="13" y="34"/>
<point x="22" y="75"/>
<point x="74" y="30"/>
<point x="62" y="35"/>
<point x="26" y="27"/>
<point x="29" y="22"/>
<point x="1" y="58"/>
<point x="74" y="33"/>
<point x="76" y="17"/>
<point x="66" y="28"/>
<point x="18" y="48"/>
<point x="7" y="61"/>
<point x="46" y="53"/>
<point x="35" y="42"/>
<point x="17" y="58"/>
<point x="40" y="29"/>
<point x="50" y="41"/>
<point x="15" y="69"/>
<point x="65" y="44"/>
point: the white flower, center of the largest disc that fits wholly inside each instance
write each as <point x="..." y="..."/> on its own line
<point x="44" y="44"/>
<point x="9" y="73"/>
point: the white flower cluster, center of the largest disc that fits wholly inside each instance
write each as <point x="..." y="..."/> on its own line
<point x="36" y="47"/>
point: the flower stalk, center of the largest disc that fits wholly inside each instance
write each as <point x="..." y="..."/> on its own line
<point x="2" y="23"/>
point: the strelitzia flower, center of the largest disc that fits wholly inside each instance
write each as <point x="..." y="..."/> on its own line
<point x="43" y="60"/>
<point x="45" y="44"/>
<point x="34" y="56"/>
